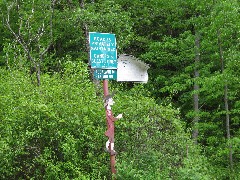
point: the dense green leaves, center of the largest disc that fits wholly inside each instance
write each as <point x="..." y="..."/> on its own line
<point x="153" y="143"/>
<point x="50" y="131"/>
<point x="54" y="132"/>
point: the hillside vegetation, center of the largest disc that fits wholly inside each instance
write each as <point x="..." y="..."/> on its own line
<point x="182" y="124"/>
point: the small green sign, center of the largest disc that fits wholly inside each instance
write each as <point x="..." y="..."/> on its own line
<point x="105" y="74"/>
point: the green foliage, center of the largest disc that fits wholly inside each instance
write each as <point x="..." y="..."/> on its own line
<point x="196" y="168"/>
<point x="172" y="68"/>
<point x="151" y="141"/>
<point x="54" y="131"/>
<point x="107" y="16"/>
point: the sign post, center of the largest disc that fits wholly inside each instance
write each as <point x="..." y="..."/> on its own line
<point x="106" y="66"/>
<point x="109" y="145"/>
<point x="103" y="59"/>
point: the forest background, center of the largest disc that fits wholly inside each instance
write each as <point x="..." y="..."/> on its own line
<point x="182" y="124"/>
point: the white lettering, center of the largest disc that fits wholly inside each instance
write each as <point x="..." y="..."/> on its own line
<point x="102" y="49"/>
<point x="94" y="48"/>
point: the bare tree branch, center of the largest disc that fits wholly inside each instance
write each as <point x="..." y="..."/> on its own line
<point x="17" y="36"/>
<point x="31" y="36"/>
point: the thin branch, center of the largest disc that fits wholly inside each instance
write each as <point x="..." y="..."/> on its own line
<point x="18" y="37"/>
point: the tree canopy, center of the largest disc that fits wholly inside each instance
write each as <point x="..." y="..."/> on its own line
<point x="182" y="124"/>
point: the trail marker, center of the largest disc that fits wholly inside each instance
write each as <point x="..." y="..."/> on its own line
<point x="110" y="74"/>
<point x="106" y="66"/>
<point x="103" y="51"/>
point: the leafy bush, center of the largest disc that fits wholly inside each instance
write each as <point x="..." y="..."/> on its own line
<point x="151" y="141"/>
<point x="56" y="131"/>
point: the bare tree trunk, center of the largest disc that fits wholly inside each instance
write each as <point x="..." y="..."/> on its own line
<point x="225" y="100"/>
<point x="86" y="33"/>
<point x="31" y="38"/>
<point x="38" y="74"/>
<point x="196" y="88"/>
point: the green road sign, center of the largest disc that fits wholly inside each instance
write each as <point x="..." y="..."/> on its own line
<point x="103" y="52"/>
<point x="105" y="74"/>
